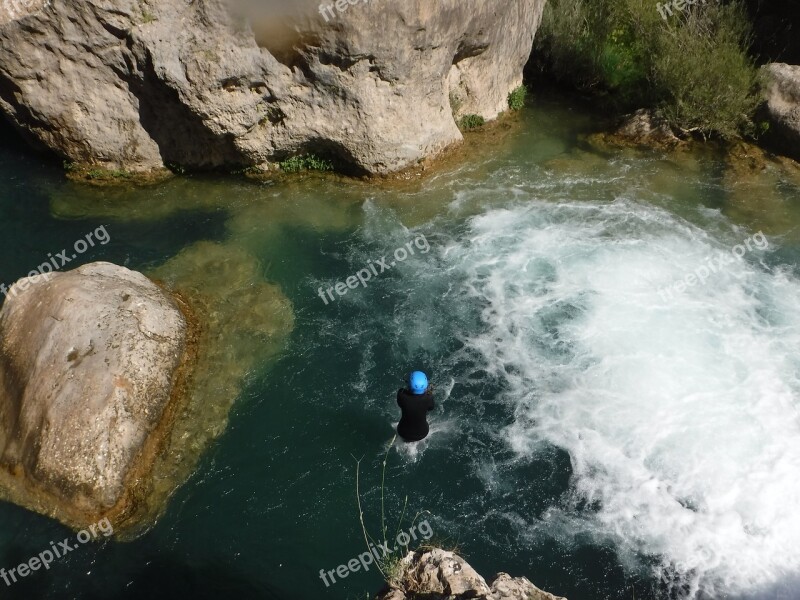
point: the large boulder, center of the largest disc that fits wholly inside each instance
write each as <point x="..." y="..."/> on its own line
<point x="88" y="367"/>
<point x="374" y="86"/>
<point x="783" y="107"/>
<point x="437" y="574"/>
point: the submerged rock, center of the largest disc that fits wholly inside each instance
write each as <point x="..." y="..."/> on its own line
<point x="376" y="86"/>
<point x="441" y="575"/>
<point x="760" y="190"/>
<point x="90" y="360"/>
<point x="244" y="322"/>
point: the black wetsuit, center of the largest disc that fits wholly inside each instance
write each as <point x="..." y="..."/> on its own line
<point x="413" y="425"/>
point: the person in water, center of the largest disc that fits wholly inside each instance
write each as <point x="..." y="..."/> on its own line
<point x="415" y="402"/>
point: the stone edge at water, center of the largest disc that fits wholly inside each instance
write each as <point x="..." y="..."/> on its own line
<point x="436" y="574"/>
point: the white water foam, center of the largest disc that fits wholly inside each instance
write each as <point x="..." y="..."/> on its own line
<point x="412" y="451"/>
<point x="680" y="415"/>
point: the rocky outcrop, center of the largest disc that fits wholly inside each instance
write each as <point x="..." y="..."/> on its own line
<point x="783" y="107"/>
<point x="374" y="86"/>
<point x="642" y="129"/>
<point x="89" y="362"/>
<point x="440" y="575"/>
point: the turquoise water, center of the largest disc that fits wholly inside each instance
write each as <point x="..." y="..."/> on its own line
<point x="591" y="433"/>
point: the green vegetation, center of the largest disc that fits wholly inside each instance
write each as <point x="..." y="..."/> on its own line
<point x="693" y="68"/>
<point x="95" y="173"/>
<point x="100" y="176"/>
<point x="105" y="174"/>
<point x="305" y="162"/>
<point x="470" y="122"/>
<point x="390" y="565"/>
<point x="516" y="99"/>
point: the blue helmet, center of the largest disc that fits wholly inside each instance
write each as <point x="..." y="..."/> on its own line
<point x="418" y="383"/>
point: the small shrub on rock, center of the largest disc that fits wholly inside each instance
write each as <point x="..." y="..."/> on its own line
<point x="470" y="122"/>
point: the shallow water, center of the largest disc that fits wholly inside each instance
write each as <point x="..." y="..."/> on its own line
<point x="597" y="430"/>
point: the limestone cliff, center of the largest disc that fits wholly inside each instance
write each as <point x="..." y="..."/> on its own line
<point x="373" y="85"/>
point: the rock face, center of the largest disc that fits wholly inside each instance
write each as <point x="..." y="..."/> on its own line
<point x="89" y="360"/>
<point x="137" y="84"/>
<point x="783" y="107"/>
<point x="440" y="575"/>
